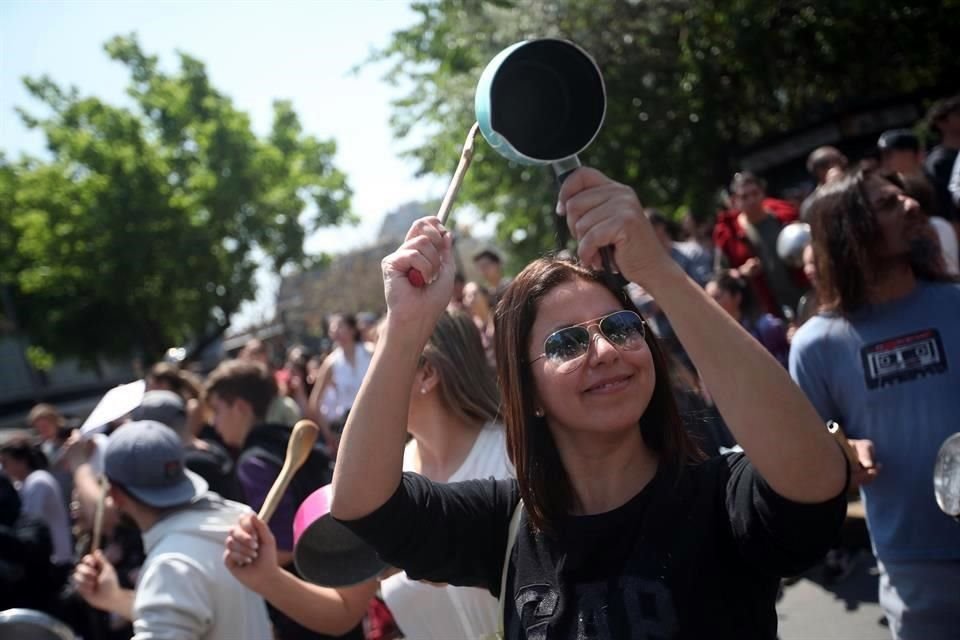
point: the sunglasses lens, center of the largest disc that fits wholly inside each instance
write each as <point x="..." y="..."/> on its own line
<point x="567" y="344"/>
<point x="566" y="347"/>
<point x="624" y="329"/>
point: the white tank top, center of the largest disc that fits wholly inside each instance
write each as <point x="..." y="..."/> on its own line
<point x="347" y="377"/>
<point x="427" y="612"/>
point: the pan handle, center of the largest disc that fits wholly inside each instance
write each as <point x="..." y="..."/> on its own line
<point x="466" y="155"/>
<point x="562" y="169"/>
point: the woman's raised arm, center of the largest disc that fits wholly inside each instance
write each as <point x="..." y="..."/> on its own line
<point x="770" y="417"/>
<point x="370" y="458"/>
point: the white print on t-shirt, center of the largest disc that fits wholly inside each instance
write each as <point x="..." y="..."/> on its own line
<point x="903" y="358"/>
<point x="647" y="605"/>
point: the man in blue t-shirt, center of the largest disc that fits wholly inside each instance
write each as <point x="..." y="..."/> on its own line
<point x="883" y="359"/>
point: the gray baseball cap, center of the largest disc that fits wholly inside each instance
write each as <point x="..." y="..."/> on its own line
<point x="164" y="407"/>
<point x="146" y="459"/>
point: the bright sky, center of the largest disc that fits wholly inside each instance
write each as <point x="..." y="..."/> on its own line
<point x="255" y="52"/>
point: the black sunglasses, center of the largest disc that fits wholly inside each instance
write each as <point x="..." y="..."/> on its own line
<point x="567" y="347"/>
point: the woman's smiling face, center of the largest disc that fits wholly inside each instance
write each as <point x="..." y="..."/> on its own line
<point x="611" y="388"/>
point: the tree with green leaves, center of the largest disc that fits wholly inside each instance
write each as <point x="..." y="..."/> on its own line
<point x="146" y="225"/>
<point x="690" y="84"/>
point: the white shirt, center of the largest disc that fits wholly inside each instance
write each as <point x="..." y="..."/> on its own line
<point x="954" y="185"/>
<point x="184" y="591"/>
<point x="427" y="612"/>
<point x="42" y="499"/>
<point x="347" y="377"/>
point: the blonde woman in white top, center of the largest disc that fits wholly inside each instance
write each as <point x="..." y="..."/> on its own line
<point x="436" y="612"/>
<point x="452" y="420"/>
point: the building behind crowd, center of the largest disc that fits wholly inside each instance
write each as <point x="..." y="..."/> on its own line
<point x="350" y="283"/>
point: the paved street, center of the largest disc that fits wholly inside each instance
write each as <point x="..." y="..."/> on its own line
<point x="810" y="610"/>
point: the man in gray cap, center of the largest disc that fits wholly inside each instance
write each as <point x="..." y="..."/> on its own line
<point x="204" y="457"/>
<point x="184" y="592"/>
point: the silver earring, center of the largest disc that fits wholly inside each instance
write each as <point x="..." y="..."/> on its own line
<point x="423" y="391"/>
<point x="538" y="412"/>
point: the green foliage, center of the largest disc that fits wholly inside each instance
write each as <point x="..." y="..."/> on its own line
<point x="690" y="83"/>
<point x="142" y="228"/>
<point x="39" y="358"/>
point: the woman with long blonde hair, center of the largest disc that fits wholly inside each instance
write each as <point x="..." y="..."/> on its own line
<point x="452" y="418"/>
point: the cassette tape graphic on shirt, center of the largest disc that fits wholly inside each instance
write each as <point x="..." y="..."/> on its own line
<point x="903" y="358"/>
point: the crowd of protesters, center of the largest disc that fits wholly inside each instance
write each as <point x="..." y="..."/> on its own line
<point x="863" y="319"/>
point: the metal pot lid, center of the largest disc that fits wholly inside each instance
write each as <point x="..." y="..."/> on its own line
<point x="30" y="624"/>
<point x="946" y="476"/>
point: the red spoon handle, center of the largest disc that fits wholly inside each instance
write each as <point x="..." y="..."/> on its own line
<point x="416" y="278"/>
<point x="466" y="155"/>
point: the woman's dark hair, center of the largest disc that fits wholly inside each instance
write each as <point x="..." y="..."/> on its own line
<point x="657" y="219"/>
<point x="297" y="365"/>
<point x="25" y="451"/>
<point x="297" y="361"/>
<point x="351" y="321"/>
<point x="735" y="285"/>
<point x="846" y="236"/>
<point x="181" y="382"/>
<point x="9" y="502"/>
<point x="940" y="110"/>
<point x="743" y="178"/>
<point x="544" y="484"/>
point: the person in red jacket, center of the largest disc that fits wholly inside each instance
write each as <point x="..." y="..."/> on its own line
<point x="746" y="241"/>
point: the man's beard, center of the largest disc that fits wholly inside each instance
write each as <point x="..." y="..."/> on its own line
<point x="924" y="252"/>
<point x="127" y="522"/>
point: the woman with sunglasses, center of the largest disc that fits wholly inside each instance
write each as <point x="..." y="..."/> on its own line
<point x="624" y="531"/>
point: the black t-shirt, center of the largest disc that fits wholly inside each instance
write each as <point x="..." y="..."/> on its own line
<point x="698" y="553"/>
<point x="215" y="465"/>
<point x="27" y="577"/>
<point x="778" y="276"/>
